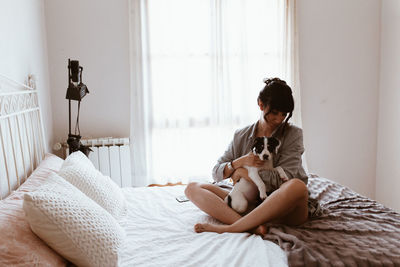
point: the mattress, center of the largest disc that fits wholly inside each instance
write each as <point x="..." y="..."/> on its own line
<point x="160" y="232"/>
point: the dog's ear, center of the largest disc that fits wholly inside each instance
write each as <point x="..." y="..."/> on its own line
<point x="273" y="145"/>
<point x="258" y="145"/>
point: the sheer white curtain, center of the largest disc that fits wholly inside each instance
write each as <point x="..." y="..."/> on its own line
<point x="197" y="68"/>
<point x="290" y="55"/>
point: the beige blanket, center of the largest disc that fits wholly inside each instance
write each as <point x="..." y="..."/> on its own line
<point x="353" y="231"/>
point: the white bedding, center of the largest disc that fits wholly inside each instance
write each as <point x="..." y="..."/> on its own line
<point x="160" y="233"/>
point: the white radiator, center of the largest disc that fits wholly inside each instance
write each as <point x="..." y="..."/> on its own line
<point x="111" y="156"/>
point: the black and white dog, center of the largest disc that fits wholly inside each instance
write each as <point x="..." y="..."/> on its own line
<point x="244" y="191"/>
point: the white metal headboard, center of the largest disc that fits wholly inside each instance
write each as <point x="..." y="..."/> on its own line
<point x="21" y="134"/>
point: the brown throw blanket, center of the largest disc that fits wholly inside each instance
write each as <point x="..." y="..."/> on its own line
<point x="353" y="231"/>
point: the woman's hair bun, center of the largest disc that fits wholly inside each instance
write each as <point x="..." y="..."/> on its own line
<point x="269" y="81"/>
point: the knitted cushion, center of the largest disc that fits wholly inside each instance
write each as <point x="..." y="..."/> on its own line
<point x="79" y="171"/>
<point x="73" y="224"/>
<point x="77" y="157"/>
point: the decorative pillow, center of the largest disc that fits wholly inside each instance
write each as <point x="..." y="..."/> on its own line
<point x="77" y="157"/>
<point x="79" y="171"/>
<point x="73" y="224"/>
<point x="19" y="246"/>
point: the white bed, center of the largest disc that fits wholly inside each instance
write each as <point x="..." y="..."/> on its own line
<point x="159" y="229"/>
<point x="160" y="233"/>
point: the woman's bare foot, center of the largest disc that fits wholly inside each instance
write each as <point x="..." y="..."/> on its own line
<point x="261" y="230"/>
<point x="206" y="227"/>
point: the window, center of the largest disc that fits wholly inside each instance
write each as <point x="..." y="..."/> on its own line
<point x="205" y="63"/>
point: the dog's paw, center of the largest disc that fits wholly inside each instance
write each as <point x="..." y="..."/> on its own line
<point x="263" y="195"/>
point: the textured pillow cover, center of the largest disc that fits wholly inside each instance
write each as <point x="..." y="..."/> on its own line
<point x="79" y="171"/>
<point x="77" y="157"/>
<point x="19" y="246"/>
<point x="73" y="224"/>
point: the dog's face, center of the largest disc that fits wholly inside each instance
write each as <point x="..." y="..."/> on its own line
<point x="265" y="146"/>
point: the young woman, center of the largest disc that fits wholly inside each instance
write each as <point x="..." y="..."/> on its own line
<point x="288" y="204"/>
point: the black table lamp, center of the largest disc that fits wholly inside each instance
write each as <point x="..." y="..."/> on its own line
<point x="76" y="91"/>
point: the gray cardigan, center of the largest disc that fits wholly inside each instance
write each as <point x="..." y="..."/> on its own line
<point x="288" y="156"/>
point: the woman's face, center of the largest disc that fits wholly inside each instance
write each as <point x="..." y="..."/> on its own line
<point x="273" y="118"/>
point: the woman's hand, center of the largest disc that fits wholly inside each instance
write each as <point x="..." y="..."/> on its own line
<point x="251" y="160"/>
<point x="240" y="173"/>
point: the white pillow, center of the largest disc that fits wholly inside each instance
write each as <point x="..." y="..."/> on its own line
<point x="79" y="171"/>
<point x="77" y="157"/>
<point x="73" y="224"/>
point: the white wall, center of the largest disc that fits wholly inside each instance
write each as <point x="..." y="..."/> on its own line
<point x="95" y="33"/>
<point x="388" y="159"/>
<point x="339" y="75"/>
<point x="23" y="50"/>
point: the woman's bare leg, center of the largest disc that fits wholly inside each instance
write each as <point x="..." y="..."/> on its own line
<point x="210" y="199"/>
<point x="287" y="205"/>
